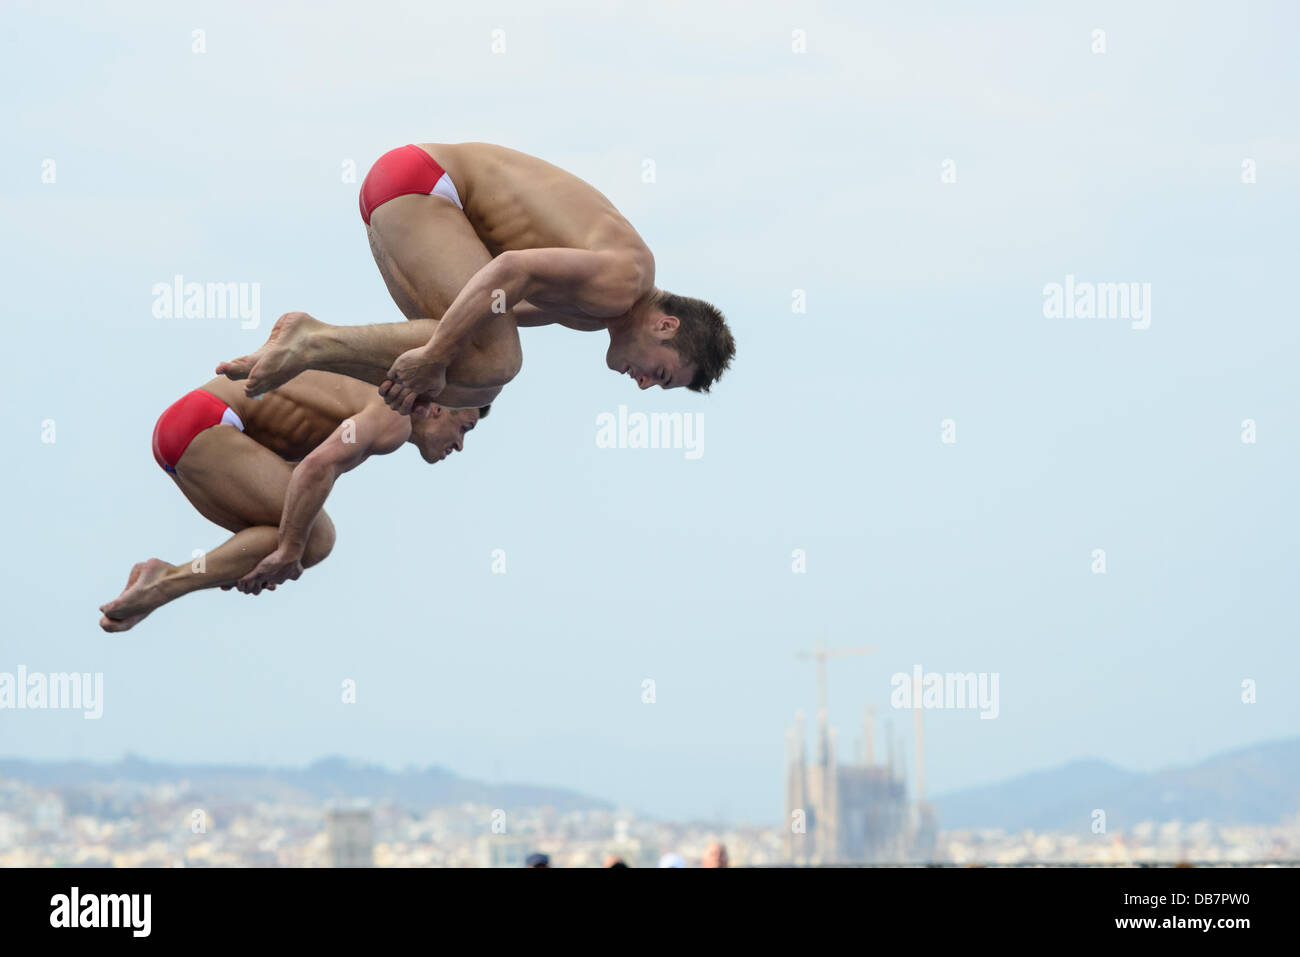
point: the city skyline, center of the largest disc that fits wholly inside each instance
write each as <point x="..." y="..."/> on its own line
<point x="1075" y="786"/>
<point x="173" y="823"/>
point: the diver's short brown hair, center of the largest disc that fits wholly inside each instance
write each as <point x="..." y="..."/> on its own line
<point x="702" y="337"/>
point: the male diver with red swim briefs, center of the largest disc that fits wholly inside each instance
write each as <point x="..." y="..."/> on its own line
<point x="474" y="241"/>
<point x="263" y="470"/>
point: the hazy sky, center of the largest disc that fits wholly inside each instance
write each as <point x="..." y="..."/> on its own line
<point x="774" y="171"/>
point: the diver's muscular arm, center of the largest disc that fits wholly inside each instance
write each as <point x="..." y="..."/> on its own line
<point x="375" y="430"/>
<point x="600" y="285"/>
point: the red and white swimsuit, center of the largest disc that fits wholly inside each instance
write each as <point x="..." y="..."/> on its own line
<point x="183" y="420"/>
<point x="407" y="169"/>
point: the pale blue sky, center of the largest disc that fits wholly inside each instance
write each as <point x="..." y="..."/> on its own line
<point x="775" y="172"/>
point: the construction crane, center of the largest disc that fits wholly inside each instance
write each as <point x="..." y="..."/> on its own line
<point x="820" y="654"/>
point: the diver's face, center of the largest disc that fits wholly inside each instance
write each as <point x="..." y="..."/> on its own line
<point x="644" y="353"/>
<point x="442" y="432"/>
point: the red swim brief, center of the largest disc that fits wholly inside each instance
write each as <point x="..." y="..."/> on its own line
<point x="185" y="418"/>
<point x="407" y="169"/>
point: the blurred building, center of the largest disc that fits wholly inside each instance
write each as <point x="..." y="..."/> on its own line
<point x="851" y="813"/>
<point x="47" y="813"/>
<point x="502" y="850"/>
<point x="351" y="832"/>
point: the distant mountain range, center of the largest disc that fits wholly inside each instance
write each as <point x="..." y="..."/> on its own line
<point x="1253" y="785"/>
<point x="329" y="778"/>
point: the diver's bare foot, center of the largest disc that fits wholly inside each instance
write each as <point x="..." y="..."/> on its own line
<point x="138" y="599"/>
<point x="108" y="624"/>
<point x="113" y="625"/>
<point x="282" y="357"/>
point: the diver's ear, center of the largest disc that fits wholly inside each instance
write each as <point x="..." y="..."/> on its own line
<point x="667" y="324"/>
